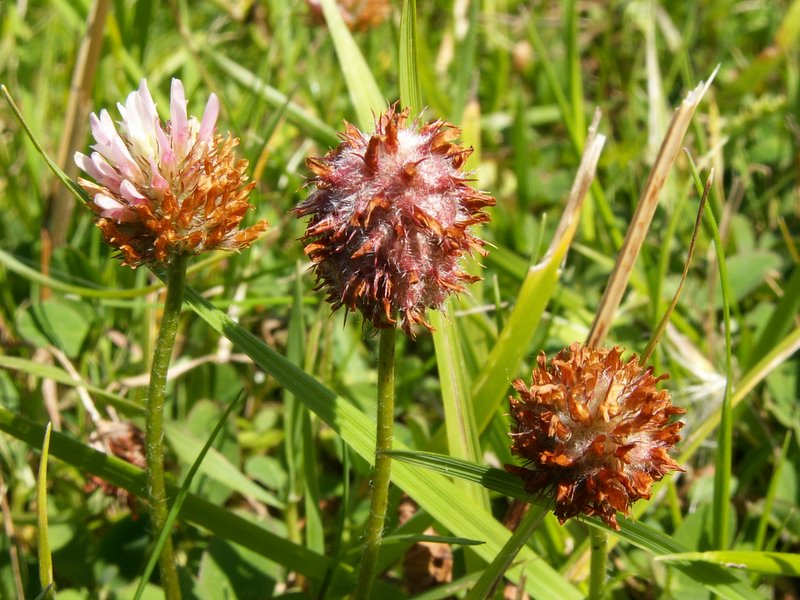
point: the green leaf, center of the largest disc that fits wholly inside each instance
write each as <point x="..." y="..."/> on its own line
<point x="724" y="458"/>
<point x="365" y="94"/>
<point x="12" y="264"/>
<point x="769" y="563"/>
<point x="409" y="82"/>
<point x="215" y="466"/>
<point x="492" y="575"/>
<point x="462" y="433"/>
<point x="58" y="322"/>
<point x="58" y="375"/>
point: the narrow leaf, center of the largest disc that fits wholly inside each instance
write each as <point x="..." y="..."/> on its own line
<point x="409" y="82"/>
<point x="769" y="563"/>
<point x="43" y="537"/>
<point x="365" y="94"/>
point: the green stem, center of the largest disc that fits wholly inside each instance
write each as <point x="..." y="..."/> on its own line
<point x="154" y="432"/>
<point x="597" y="574"/>
<point x="382" y="475"/>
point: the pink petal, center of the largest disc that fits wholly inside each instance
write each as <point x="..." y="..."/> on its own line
<point x="140" y="121"/>
<point x="209" y="122"/>
<point x="99" y="170"/>
<point x="179" y="123"/>
<point x="167" y="156"/>
<point x="130" y="193"/>
<point x="107" y="202"/>
<point x="111" y="208"/>
<point x="103" y="128"/>
<point x="157" y="181"/>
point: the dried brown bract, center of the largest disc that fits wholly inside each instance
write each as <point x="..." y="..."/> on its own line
<point x="594" y="431"/>
<point x="390" y="219"/>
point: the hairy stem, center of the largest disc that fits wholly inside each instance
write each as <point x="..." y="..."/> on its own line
<point x="382" y="474"/>
<point x="597" y="574"/>
<point x="154" y="432"/>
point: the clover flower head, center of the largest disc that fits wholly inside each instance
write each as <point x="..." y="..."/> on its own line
<point x="390" y="219"/>
<point x="162" y="190"/>
<point x="594" y="431"/>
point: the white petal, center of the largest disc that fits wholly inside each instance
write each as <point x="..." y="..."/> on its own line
<point x="209" y="122"/>
<point x="130" y="193"/>
<point x="107" y="202"/>
<point x="179" y="123"/>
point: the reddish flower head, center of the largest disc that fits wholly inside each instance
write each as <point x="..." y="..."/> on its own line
<point x="166" y="190"/>
<point x="390" y="219"/>
<point x="594" y="430"/>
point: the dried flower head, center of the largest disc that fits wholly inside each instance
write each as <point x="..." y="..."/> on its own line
<point x="594" y="430"/>
<point x="123" y="440"/>
<point x="358" y="15"/>
<point x="166" y="190"/>
<point x="390" y="219"/>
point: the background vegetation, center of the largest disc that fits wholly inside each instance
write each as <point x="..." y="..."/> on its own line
<point x="281" y="499"/>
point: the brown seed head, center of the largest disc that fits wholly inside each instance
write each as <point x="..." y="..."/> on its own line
<point x="358" y="15"/>
<point x="390" y="219"/>
<point x="594" y="431"/>
<point x="166" y="190"/>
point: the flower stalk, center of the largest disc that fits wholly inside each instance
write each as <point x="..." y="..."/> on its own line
<point x="382" y="475"/>
<point x="599" y="563"/>
<point x="154" y="430"/>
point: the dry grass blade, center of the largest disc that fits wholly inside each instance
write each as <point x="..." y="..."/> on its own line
<point x="583" y="181"/>
<point x="61" y="201"/>
<point x="637" y="231"/>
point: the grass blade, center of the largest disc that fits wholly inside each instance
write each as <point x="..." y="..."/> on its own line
<point x="768" y="563"/>
<point x="492" y="575"/>
<point x="214" y="519"/>
<point x="409" y="82"/>
<point x="43" y="537"/>
<point x="462" y="433"/>
<point x="724" y="458"/>
<point x="365" y="94"/>
<point x="645" y="210"/>
<point x="58" y="375"/>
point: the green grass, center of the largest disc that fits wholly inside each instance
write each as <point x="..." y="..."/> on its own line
<point x="278" y="506"/>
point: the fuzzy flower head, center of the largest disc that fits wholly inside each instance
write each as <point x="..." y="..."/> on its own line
<point x="162" y="190"/>
<point x="594" y="431"/>
<point x="390" y="219"/>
